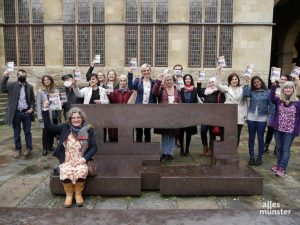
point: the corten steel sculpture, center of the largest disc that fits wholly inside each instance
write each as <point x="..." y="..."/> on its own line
<point x="126" y="167"/>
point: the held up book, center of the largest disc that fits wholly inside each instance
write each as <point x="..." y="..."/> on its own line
<point x="54" y="101"/>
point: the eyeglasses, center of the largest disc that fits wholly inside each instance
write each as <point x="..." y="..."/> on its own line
<point x="76" y="118"/>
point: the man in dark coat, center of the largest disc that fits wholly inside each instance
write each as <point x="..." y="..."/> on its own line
<point x="71" y="97"/>
<point x="21" y="103"/>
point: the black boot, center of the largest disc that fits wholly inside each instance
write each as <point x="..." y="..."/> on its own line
<point x="187" y="152"/>
<point x="266" y="149"/>
<point x="45" y="152"/>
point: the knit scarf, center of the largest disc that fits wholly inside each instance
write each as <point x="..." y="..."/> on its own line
<point x="81" y="134"/>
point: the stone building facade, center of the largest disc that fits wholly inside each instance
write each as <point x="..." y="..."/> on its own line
<point x="57" y="36"/>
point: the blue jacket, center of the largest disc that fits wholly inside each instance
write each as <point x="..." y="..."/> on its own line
<point x="64" y="130"/>
<point x="257" y="98"/>
<point x="139" y="87"/>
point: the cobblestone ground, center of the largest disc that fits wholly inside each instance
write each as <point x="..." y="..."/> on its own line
<point x="24" y="182"/>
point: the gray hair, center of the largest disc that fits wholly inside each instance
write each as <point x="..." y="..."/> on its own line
<point x="76" y="110"/>
<point x="283" y="97"/>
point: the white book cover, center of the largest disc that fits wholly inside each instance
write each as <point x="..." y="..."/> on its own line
<point x="295" y="72"/>
<point x="133" y="63"/>
<point x="275" y="73"/>
<point x="221" y="61"/>
<point x="54" y="101"/>
<point x="249" y="70"/>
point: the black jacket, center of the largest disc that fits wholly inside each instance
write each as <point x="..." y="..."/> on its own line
<point x="13" y="91"/>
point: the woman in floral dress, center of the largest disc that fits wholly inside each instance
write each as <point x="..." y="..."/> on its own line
<point x="77" y="146"/>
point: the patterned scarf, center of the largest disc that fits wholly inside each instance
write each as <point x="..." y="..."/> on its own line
<point x="81" y="134"/>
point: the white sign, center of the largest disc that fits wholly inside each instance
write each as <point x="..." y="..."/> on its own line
<point x="110" y="87"/>
<point x="201" y="75"/>
<point x="275" y="73"/>
<point x="180" y="83"/>
<point x="77" y="75"/>
<point x="249" y="70"/>
<point x="10" y="66"/>
<point x="295" y="72"/>
<point x="97" y="58"/>
<point x="221" y="61"/>
<point x="133" y="63"/>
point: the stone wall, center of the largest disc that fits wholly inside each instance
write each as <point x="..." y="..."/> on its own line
<point x="251" y="38"/>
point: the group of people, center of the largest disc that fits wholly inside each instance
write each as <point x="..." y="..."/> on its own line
<point x="278" y="108"/>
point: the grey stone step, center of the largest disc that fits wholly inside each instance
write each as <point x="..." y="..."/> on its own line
<point x="3" y="109"/>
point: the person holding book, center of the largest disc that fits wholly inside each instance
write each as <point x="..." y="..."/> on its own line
<point x="68" y="81"/>
<point x="143" y="86"/>
<point x="188" y="95"/>
<point x="20" y="109"/>
<point x="100" y="75"/>
<point x="47" y="89"/>
<point x="257" y="116"/>
<point x="166" y="93"/>
<point x="269" y="136"/>
<point x="210" y="94"/>
<point x="77" y="145"/>
<point x="119" y="96"/>
<point x="112" y="79"/>
<point x="234" y="95"/>
<point x="286" y="123"/>
<point x="93" y="94"/>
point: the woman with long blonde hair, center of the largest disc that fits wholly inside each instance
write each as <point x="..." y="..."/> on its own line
<point x="286" y="123"/>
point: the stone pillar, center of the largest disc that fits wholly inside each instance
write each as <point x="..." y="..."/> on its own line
<point x="53" y="12"/>
<point x="114" y="34"/>
<point x="178" y="46"/>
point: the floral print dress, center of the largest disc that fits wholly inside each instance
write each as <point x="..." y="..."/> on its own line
<point x="71" y="169"/>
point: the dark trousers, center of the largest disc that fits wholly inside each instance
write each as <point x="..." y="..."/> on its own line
<point x="240" y="127"/>
<point x="269" y="135"/>
<point x="48" y="137"/>
<point x="139" y="134"/>
<point x="203" y="131"/>
<point x="187" y="140"/>
<point x="25" y="119"/>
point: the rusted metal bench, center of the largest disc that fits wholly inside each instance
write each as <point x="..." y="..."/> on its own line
<point x="127" y="168"/>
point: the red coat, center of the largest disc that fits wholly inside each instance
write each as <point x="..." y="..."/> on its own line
<point x="119" y="97"/>
<point x="162" y="95"/>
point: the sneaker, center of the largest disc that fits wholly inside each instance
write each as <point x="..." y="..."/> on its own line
<point x="275" y="168"/>
<point x="17" y="154"/>
<point x="27" y="153"/>
<point x="163" y="158"/>
<point x="280" y="172"/>
<point x="258" y="162"/>
<point x="251" y="162"/>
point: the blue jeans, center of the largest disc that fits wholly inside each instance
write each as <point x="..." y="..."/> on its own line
<point x="283" y="147"/>
<point x="25" y="119"/>
<point x="253" y="128"/>
<point x="168" y="143"/>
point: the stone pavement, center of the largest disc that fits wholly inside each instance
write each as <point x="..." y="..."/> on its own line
<point x="24" y="184"/>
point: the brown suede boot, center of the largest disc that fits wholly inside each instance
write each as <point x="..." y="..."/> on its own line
<point x="209" y="151"/>
<point x="69" y="189"/>
<point x="204" y="151"/>
<point x="78" y="193"/>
